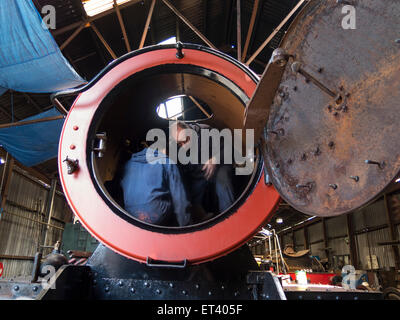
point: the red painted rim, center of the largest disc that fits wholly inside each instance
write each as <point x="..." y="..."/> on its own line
<point x="123" y="237"/>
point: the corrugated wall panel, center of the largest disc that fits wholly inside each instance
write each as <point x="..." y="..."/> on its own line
<point x="336" y="227"/>
<point x="384" y="253"/>
<point x="19" y="231"/>
<point x="317" y="249"/>
<point x="299" y="239"/>
<point x="373" y="215"/>
<point x="315" y="232"/>
<point x="339" y="246"/>
<point x="286" y="239"/>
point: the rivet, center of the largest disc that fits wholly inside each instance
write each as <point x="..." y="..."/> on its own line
<point x="106" y="289"/>
<point x="132" y="290"/>
<point x="158" y="291"/>
<point x="72" y="147"/>
<point x="236" y="293"/>
<point x="120" y="283"/>
<point x="184" y="292"/>
<point x="76" y="128"/>
<point x="197" y="286"/>
<point x="209" y="293"/>
<point x="35" y="288"/>
<point x="355" y="298"/>
<point x="16" y="288"/>
<point x="300" y="297"/>
<point x="222" y="288"/>
<point x="146" y="284"/>
<point x="331" y="144"/>
<point x="318" y="297"/>
<point x="171" y="285"/>
<point x="333" y="186"/>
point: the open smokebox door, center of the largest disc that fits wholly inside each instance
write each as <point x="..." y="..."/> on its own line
<point x="109" y="121"/>
<point x="331" y="96"/>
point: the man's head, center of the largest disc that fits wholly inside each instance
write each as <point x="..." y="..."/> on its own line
<point x="178" y="134"/>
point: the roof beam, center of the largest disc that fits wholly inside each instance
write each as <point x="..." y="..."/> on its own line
<point x="103" y="41"/>
<point x="33" y="102"/>
<point x="250" y="30"/>
<point x="73" y="35"/>
<point x="276" y="30"/>
<point x="190" y="25"/>
<point x="122" y="25"/>
<point x="146" y="26"/>
<point x="91" y="19"/>
<point x="238" y="31"/>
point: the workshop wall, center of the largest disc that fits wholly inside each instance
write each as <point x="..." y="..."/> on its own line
<point x="21" y="234"/>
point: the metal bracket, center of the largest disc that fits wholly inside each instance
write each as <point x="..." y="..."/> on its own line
<point x="102" y="145"/>
<point x="165" y="264"/>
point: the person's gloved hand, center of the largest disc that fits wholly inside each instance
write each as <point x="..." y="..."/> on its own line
<point x="209" y="168"/>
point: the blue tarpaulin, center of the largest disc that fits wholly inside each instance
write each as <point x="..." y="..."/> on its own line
<point x="33" y="143"/>
<point x="30" y="59"/>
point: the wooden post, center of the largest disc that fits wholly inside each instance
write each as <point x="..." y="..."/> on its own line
<point x="49" y="210"/>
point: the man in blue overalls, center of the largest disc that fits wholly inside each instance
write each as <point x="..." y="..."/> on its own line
<point x="153" y="191"/>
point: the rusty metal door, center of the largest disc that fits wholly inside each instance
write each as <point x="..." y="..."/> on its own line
<point x="333" y="142"/>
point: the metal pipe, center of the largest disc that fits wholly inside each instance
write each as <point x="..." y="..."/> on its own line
<point x="36" y="267"/>
<point x="59" y="106"/>
<point x="276" y="252"/>
<point x="34" y="220"/>
<point x="49" y="208"/>
<point x="280" y="253"/>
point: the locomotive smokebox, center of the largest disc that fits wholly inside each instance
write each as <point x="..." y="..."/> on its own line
<point x="120" y="106"/>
